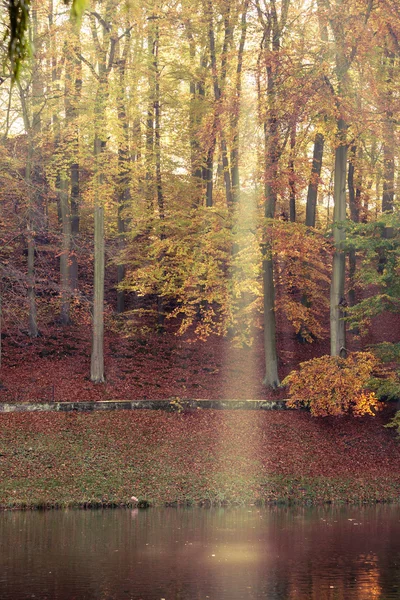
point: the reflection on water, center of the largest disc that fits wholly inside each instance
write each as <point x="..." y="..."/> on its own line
<point x="192" y="554"/>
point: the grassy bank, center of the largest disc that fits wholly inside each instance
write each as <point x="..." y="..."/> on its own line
<point x="203" y="456"/>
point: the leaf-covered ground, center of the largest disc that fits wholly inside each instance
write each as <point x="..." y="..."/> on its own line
<point x="202" y="456"/>
<point x="147" y="365"/>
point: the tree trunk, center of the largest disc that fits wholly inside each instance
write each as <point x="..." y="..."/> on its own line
<point x="97" y="358"/>
<point x="343" y="61"/>
<point x="65" y="253"/>
<point x="209" y="176"/>
<point x="236" y="108"/>
<point x="157" y="156"/>
<point x="196" y="90"/>
<point x="62" y="180"/>
<point x="271" y="378"/>
<point x="150" y="121"/>
<point x="37" y="103"/>
<point x="311" y="206"/>
<point x="72" y="123"/>
<point x="123" y="170"/>
<point x="337" y="297"/>
<point x="389" y="144"/>
<point x="272" y="29"/>
<point x="32" y="317"/>
<point x="33" y="129"/>
<point x="292" y="176"/>
<point x="226" y="170"/>
<point x="106" y="55"/>
<point x="217" y="108"/>
<point x="354" y="185"/>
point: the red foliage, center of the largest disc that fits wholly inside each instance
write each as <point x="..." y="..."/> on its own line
<point x="169" y="456"/>
<point x="155" y="366"/>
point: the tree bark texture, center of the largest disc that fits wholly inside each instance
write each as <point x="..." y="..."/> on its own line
<point x="354" y="186"/>
<point x="106" y="55"/>
<point x="337" y="295"/>
<point x="65" y="253"/>
<point x="97" y="358"/>
<point x="271" y="378"/>
<point x="123" y="169"/>
<point x="312" y="193"/>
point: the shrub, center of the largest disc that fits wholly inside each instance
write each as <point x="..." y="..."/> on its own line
<point x="395" y="422"/>
<point x="331" y="385"/>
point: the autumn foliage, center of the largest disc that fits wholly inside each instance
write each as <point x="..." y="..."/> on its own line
<point x="331" y="385"/>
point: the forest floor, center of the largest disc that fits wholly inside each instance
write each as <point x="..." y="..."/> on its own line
<point x="195" y="457"/>
<point x="56" y="366"/>
<point x="203" y="456"/>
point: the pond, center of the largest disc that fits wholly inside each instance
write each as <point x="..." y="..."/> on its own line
<point x="327" y="553"/>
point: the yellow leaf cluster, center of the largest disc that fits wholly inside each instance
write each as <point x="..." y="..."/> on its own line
<point x="331" y="385"/>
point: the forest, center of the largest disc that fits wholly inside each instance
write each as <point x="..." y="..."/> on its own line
<point x="200" y="199"/>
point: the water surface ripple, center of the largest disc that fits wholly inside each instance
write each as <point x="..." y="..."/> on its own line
<point x="326" y="553"/>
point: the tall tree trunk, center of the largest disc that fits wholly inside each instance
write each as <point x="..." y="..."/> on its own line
<point x="62" y="179"/>
<point x="106" y="53"/>
<point x="311" y="209"/>
<point x="219" y="87"/>
<point x="157" y="156"/>
<point x="73" y="77"/>
<point x="319" y="140"/>
<point x="311" y="206"/>
<point x="150" y="120"/>
<point x="272" y="29"/>
<point x="236" y="108"/>
<point x="65" y="252"/>
<point x="37" y="102"/>
<point x="97" y="358"/>
<point x="337" y="296"/>
<point x="193" y="116"/>
<point x="228" y="33"/>
<point x="157" y="130"/>
<point x="343" y="60"/>
<point x="208" y="175"/>
<point x="271" y="378"/>
<point x="389" y="144"/>
<point x="32" y="128"/>
<point x="196" y="90"/>
<point x="292" y="176"/>
<point x="206" y="168"/>
<point x="354" y="185"/>
<point x="123" y="169"/>
<point x="216" y="117"/>
<point x="271" y="139"/>
<point x="388" y="169"/>
<point x="226" y="170"/>
<point x="32" y="318"/>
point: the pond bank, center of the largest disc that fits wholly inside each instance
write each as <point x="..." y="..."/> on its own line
<point x="50" y="459"/>
<point x="176" y="404"/>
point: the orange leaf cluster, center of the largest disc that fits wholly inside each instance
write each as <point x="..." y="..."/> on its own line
<point x="302" y="256"/>
<point x="331" y="385"/>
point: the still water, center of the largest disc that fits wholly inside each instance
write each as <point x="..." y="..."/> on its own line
<point x="199" y="554"/>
